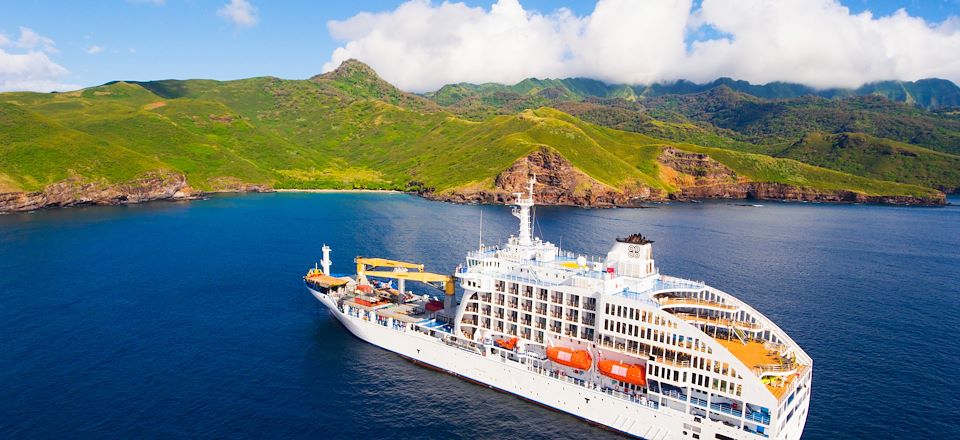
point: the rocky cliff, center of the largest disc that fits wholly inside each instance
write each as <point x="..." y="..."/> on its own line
<point x="700" y="177"/>
<point x="558" y="183"/>
<point x="695" y="175"/>
<point x="73" y="192"/>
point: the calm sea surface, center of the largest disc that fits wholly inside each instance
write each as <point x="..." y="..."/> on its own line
<point x="190" y="319"/>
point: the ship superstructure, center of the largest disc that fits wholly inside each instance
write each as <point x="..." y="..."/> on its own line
<point x="606" y="338"/>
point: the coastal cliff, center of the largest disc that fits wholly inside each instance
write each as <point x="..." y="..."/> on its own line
<point x="558" y="183"/>
<point x="692" y="176"/>
<point x="695" y="176"/>
<point x="701" y="177"/>
<point x="76" y="192"/>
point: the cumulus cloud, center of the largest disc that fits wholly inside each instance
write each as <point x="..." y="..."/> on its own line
<point x="93" y="50"/>
<point x="422" y="45"/>
<point x="28" y="66"/>
<point x="240" y="12"/>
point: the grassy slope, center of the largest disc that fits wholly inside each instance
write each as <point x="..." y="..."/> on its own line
<point x="330" y="132"/>
<point x="36" y="151"/>
<point x="641" y="151"/>
<point x="722" y="117"/>
<point x="866" y="155"/>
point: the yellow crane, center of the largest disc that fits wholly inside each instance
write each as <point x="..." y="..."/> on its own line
<point x="368" y="267"/>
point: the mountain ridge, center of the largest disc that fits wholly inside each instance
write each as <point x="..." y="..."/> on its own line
<point x="928" y="93"/>
<point x="350" y="129"/>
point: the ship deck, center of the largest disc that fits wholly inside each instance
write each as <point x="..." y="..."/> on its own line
<point x="756" y="356"/>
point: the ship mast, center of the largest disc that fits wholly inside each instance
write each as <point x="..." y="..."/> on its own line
<point x="522" y="212"/>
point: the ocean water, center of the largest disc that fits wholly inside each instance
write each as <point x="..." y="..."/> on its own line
<point x="170" y="320"/>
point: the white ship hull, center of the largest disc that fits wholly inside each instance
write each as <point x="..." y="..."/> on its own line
<point x="616" y="413"/>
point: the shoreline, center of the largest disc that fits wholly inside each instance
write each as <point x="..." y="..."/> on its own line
<point x="177" y="190"/>
<point x="387" y="191"/>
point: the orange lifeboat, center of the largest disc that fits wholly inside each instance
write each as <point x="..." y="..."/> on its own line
<point x="629" y="373"/>
<point x="507" y="344"/>
<point x="579" y="359"/>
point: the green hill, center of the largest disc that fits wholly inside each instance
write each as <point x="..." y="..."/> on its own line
<point x="350" y="129"/>
<point x="883" y="159"/>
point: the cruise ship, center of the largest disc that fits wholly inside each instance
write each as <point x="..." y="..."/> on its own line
<point x="607" y="339"/>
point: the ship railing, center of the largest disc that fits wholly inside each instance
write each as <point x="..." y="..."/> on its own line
<point x="698" y="401"/>
<point x="721" y="322"/>
<point x="638" y="296"/>
<point x="513" y="277"/>
<point x="667" y="282"/>
<point x="779" y="348"/>
<point x="758" y="417"/>
<point x="666" y="302"/>
<point x="594" y="386"/>
<point x="675" y="394"/>
<point x="726" y="409"/>
<point x="788" y="366"/>
<point x="675" y="363"/>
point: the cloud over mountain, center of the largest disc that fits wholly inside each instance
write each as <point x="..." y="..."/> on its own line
<point x="421" y="45"/>
<point x="26" y="65"/>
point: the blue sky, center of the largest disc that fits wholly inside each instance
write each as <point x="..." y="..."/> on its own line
<point x="99" y="41"/>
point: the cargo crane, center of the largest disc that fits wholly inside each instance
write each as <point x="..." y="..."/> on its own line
<point x="403" y="271"/>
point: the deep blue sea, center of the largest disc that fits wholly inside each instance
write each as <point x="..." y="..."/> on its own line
<point x="170" y="320"/>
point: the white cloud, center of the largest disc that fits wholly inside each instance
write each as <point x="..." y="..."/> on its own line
<point x="31" y="40"/>
<point x="422" y="45"/>
<point x="93" y="50"/>
<point x="32" y="69"/>
<point x="240" y="12"/>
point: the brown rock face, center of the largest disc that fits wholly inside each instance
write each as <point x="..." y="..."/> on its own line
<point x="695" y="168"/>
<point x="558" y="183"/>
<point x="697" y="176"/>
<point x="779" y="191"/>
<point x="72" y="192"/>
<point x="706" y="178"/>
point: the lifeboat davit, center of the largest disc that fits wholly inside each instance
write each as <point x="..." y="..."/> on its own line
<point x="629" y="373"/>
<point x="579" y="359"/>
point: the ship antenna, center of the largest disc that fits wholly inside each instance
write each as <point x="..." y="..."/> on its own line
<point x="533" y="226"/>
<point x="481" y="229"/>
